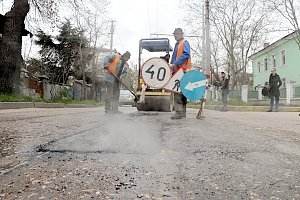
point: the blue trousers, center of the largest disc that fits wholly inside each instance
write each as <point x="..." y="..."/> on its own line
<point x="274" y="101"/>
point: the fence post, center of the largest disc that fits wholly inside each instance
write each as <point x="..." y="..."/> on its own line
<point x="245" y="93"/>
<point x="260" y="96"/>
<point x="289" y="91"/>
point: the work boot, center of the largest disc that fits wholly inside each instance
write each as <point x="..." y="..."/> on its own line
<point x="179" y="112"/>
<point x="178" y="115"/>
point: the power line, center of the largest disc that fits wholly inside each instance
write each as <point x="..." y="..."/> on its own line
<point x="157" y="16"/>
<point x="149" y="21"/>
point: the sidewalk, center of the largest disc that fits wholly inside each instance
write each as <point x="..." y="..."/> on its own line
<point x="249" y="108"/>
<point x="17" y="105"/>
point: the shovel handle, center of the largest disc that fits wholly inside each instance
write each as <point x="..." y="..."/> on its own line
<point x="135" y="97"/>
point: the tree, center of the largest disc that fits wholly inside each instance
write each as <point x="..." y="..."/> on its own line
<point x="286" y="8"/>
<point x="88" y="21"/>
<point x="131" y="78"/>
<point x="12" y="27"/>
<point x="60" y="55"/>
<point x="239" y="27"/>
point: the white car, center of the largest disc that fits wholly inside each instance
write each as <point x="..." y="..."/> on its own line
<point x="126" y="98"/>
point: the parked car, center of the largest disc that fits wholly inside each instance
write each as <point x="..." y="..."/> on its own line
<point x="126" y="98"/>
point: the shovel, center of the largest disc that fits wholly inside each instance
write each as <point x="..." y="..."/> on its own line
<point x="136" y="99"/>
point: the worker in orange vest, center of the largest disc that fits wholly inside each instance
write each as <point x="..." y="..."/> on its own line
<point x="115" y="65"/>
<point x="181" y="59"/>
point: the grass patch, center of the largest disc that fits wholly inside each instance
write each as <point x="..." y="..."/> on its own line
<point x="71" y="101"/>
<point x="236" y="102"/>
<point x="231" y="102"/>
<point x="18" y="98"/>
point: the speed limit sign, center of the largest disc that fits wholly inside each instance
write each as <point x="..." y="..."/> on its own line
<point x="156" y="72"/>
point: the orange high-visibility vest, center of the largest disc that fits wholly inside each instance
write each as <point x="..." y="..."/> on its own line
<point x="112" y="68"/>
<point x="187" y="65"/>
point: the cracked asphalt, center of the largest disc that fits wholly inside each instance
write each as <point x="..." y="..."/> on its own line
<point x="81" y="153"/>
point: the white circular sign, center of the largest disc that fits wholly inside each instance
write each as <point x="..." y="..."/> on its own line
<point x="156" y="72"/>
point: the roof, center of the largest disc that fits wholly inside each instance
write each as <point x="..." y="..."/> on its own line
<point x="156" y="44"/>
<point x="275" y="44"/>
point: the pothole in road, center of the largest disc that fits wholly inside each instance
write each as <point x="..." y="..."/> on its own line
<point x="125" y="137"/>
<point x="50" y="149"/>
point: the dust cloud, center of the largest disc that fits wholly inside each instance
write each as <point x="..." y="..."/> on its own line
<point x="130" y="136"/>
<point x="115" y="134"/>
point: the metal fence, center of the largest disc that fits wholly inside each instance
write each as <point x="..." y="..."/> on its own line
<point x="297" y="91"/>
<point x="236" y="94"/>
<point x="252" y="94"/>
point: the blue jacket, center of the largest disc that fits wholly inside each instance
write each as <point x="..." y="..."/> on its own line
<point x="185" y="55"/>
<point x="121" y="68"/>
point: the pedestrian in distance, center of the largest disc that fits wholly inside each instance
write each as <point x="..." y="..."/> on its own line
<point x="266" y="90"/>
<point x="224" y="90"/>
<point x="274" y="93"/>
<point x="115" y="67"/>
<point x="181" y="59"/>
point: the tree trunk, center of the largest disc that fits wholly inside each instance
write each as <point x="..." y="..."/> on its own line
<point x="11" y="45"/>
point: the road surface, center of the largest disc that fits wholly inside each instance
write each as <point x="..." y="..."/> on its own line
<point x="81" y="153"/>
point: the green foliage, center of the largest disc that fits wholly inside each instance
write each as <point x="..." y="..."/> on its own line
<point x="71" y="101"/>
<point x="231" y="102"/>
<point x="17" y="98"/>
<point x="64" y="94"/>
<point x="237" y="102"/>
<point x="60" y="55"/>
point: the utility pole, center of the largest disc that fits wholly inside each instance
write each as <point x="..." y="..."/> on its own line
<point x="206" y="55"/>
<point x="203" y="39"/>
<point x="111" y="35"/>
<point x="207" y="39"/>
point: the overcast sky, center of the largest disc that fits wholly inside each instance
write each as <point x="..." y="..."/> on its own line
<point x="137" y="19"/>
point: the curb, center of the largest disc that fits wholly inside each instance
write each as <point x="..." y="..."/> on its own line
<point x="247" y="108"/>
<point x="18" y="105"/>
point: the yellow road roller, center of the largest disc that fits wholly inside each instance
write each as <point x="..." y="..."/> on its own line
<point x="153" y="74"/>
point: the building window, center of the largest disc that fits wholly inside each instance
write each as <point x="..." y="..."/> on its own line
<point x="258" y="67"/>
<point x="274" y="60"/>
<point x="266" y="64"/>
<point x="283" y="58"/>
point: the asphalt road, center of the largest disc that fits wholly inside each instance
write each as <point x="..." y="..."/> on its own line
<point x="81" y="153"/>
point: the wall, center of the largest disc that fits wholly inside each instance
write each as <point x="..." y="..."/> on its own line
<point x="52" y="91"/>
<point x="289" y="71"/>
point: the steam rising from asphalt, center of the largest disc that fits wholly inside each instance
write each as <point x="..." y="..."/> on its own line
<point x="116" y="135"/>
<point x="128" y="136"/>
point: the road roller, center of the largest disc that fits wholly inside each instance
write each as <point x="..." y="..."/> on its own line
<point x="154" y="72"/>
